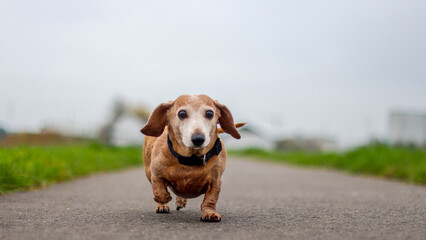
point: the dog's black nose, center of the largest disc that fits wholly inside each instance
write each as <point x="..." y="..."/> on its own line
<point x="198" y="139"/>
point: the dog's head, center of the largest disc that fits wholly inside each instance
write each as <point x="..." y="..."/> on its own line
<point x="192" y="119"/>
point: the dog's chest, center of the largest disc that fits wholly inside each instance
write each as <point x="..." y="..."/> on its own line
<point x="188" y="184"/>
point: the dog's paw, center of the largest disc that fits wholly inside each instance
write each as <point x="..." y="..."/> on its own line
<point x="162" y="208"/>
<point x="180" y="203"/>
<point x="211" y="217"/>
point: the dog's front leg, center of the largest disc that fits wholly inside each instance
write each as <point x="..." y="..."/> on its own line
<point x="208" y="207"/>
<point x="161" y="195"/>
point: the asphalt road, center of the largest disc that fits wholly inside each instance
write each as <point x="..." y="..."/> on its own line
<point x="258" y="201"/>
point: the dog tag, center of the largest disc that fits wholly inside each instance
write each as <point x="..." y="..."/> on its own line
<point x="204" y="160"/>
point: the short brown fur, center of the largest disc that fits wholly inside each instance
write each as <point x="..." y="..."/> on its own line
<point x="163" y="170"/>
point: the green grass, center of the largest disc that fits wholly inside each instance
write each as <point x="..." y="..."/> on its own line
<point x="401" y="163"/>
<point x="23" y="168"/>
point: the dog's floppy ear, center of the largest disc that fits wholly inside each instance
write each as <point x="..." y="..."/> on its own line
<point x="157" y="121"/>
<point x="226" y="120"/>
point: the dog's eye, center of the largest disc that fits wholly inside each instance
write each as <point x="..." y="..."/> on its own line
<point x="182" y="114"/>
<point x="209" y="114"/>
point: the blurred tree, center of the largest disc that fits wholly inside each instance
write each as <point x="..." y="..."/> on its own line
<point x="120" y="109"/>
<point x="141" y="112"/>
<point x="2" y="133"/>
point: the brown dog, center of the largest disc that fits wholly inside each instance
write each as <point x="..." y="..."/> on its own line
<point x="182" y="151"/>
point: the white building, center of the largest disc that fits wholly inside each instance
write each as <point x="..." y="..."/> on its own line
<point x="126" y="132"/>
<point x="407" y="128"/>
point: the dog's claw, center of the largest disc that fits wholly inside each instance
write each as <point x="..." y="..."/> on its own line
<point x="214" y="217"/>
<point x="162" y="209"/>
<point x="180" y="203"/>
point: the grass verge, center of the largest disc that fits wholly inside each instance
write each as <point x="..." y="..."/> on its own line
<point x="380" y="160"/>
<point x="23" y="168"/>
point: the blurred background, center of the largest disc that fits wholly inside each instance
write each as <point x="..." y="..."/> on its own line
<point x="321" y="75"/>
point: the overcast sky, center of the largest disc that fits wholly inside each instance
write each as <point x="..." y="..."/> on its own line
<point x="332" y="68"/>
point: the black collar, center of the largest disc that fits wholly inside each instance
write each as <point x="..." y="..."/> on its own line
<point x="196" y="160"/>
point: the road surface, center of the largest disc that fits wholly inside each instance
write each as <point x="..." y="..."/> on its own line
<point x="258" y="201"/>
